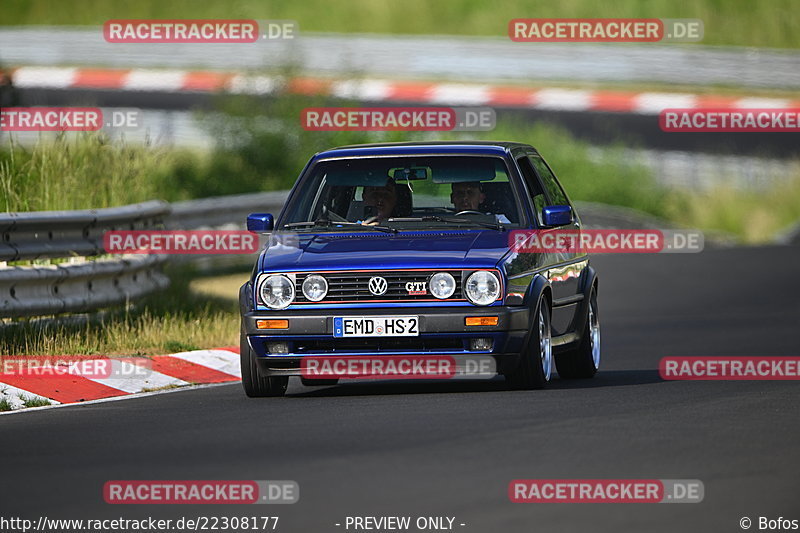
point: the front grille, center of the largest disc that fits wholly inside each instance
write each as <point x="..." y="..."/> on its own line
<point x="377" y="345"/>
<point x="354" y="286"/>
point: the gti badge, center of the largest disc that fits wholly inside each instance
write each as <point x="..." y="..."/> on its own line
<point x="377" y="285"/>
<point x="416" y="287"/>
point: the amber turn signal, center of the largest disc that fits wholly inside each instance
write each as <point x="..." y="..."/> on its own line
<point x="482" y="320"/>
<point x="272" y="324"/>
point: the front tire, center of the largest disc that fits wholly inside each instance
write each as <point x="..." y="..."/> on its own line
<point x="256" y="386"/>
<point x="583" y="362"/>
<point x="536" y="360"/>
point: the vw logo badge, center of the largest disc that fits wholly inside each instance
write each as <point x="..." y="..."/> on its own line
<point x="377" y="285"/>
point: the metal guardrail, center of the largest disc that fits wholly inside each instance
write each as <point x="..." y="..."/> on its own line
<point x="71" y="287"/>
<point x="56" y="289"/>
<point x="224" y="211"/>
<point x="58" y="234"/>
<point x="88" y="285"/>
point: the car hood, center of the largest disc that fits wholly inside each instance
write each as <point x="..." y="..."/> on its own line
<point x="367" y="250"/>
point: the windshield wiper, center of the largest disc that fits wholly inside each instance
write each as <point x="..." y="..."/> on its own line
<point x="324" y="222"/>
<point x="450" y="220"/>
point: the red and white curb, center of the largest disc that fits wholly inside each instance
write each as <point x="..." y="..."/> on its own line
<point x="123" y="377"/>
<point x="378" y="90"/>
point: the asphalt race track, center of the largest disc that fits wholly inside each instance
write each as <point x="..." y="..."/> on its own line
<point x="451" y="449"/>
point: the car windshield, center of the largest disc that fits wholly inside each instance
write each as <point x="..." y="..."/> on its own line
<point x="396" y="193"/>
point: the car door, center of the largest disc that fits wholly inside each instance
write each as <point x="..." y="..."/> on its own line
<point x="564" y="269"/>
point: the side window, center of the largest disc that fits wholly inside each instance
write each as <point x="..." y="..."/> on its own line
<point x="537" y="194"/>
<point x="554" y="190"/>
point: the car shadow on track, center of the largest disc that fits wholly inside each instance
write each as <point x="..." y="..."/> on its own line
<point x="612" y="378"/>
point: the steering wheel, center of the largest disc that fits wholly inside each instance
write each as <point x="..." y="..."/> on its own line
<point x="332" y="216"/>
<point x="468" y="212"/>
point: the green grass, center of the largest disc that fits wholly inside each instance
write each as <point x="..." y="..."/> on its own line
<point x="752" y="217"/>
<point x="179" y="346"/>
<point x="35" y="402"/>
<point x="84" y="171"/>
<point x="27" y="401"/>
<point x="727" y="22"/>
<point x="611" y="180"/>
<point x="195" y="312"/>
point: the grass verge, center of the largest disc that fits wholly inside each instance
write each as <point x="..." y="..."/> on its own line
<point x="86" y="170"/>
<point x="177" y="319"/>
<point x="35" y="402"/>
<point x="27" y="401"/>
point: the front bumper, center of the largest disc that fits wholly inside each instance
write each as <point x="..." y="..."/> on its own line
<point x="442" y="331"/>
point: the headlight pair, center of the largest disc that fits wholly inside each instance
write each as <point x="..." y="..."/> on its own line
<point x="277" y="291"/>
<point x="481" y="288"/>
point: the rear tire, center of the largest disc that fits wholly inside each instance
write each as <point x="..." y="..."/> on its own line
<point x="536" y="359"/>
<point x="583" y="362"/>
<point x="256" y="386"/>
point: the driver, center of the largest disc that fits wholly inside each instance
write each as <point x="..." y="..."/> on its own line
<point x="467" y="195"/>
<point x="383" y="199"/>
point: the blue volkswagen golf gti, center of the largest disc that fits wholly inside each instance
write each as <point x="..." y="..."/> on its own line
<point x="406" y="249"/>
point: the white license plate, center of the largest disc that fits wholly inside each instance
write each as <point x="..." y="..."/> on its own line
<point x="376" y="326"/>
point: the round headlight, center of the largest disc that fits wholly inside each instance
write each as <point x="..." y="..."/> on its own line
<point x="442" y="285"/>
<point x="482" y="287"/>
<point x="277" y="292"/>
<point x="315" y="288"/>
